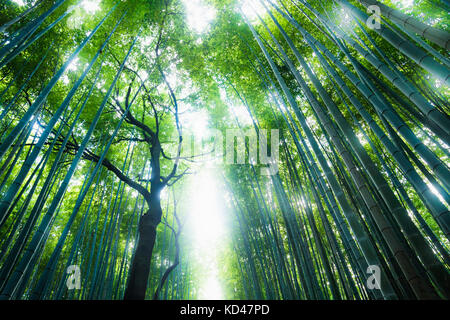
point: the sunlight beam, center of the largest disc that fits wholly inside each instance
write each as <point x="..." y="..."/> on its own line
<point x="199" y="15"/>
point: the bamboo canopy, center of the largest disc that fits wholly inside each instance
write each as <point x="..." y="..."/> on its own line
<point x="99" y="104"/>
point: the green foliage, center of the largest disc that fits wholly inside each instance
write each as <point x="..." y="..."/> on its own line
<point x="307" y="232"/>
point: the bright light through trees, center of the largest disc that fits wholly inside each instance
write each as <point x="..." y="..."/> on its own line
<point x="110" y="155"/>
<point x="91" y="6"/>
<point x="207" y="228"/>
<point x="199" y="15"/>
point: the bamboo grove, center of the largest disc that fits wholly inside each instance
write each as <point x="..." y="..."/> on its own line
<point x="92" y="172"/>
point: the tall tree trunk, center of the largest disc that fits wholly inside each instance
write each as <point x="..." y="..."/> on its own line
<point x="140" y="266"/>
<point x="439" y="37"/>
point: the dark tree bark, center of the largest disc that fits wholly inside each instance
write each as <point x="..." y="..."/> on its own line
<point x="140" y="266"/>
